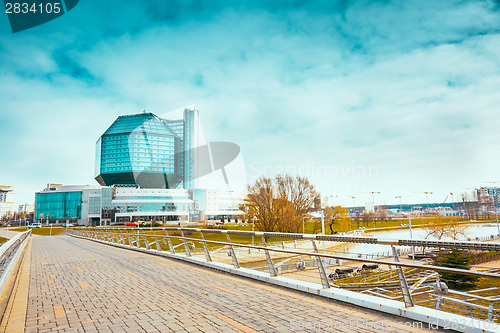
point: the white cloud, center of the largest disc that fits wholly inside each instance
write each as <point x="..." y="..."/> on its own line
<point x="409" y="89"/>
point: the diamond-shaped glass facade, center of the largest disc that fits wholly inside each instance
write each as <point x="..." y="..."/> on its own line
<point x="143" y="150"/>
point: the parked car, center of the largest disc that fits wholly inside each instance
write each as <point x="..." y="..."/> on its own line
<point x="34" y="225"/>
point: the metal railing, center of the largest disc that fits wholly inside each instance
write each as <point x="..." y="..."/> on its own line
<point x="10" y="255"/>
<point x="239" y="257"/>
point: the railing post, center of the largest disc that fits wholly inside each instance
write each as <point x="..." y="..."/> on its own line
<point x="145" y="239"/>
<point x="186" y="246"/>
<point x="438" y="302"/>
<point x="120" y="236"/>
<point x="170" y="246"/>
<point x="207" y="253"/>
<point x="402" y="281"/>
<point x="231" y="250"/>
<point x="130" y="242"/>
<point x="138" y="240"/>
<point x="471" y="314"/>
<point x="270" y="264"/>
<point x="321" y="268"/>
<point x="158" y="248"/>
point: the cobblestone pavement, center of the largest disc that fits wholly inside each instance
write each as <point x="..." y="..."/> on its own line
<point x="78" y="285"/>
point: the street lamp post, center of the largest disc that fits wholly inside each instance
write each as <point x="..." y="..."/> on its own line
<point x="323" y="231"/>
<point x="373" y="203"/>
<point x="409" y="223"/>
<point x="353" y="198"/>
<point x="452" y="204"/>
<point x="411" y="235"/>
<point x="400" y="203"/>
<point x="253" y="224"/>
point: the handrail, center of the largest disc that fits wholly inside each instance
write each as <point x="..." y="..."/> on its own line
<point x="139" y="240"/>
<point x="5" y="250"/>
<point x="469" y="245"/>
<point x="8" y="244"/>
<point x="320" y="255"/>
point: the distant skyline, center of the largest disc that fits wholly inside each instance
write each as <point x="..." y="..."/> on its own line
<point x="392" y="97"/>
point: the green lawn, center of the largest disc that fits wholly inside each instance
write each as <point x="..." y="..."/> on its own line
<point x="241" y="239"/>
<point x="43" y="231"/>
<point x="3" y="240"/>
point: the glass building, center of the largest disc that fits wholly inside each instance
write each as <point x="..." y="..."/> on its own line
<point x="145" y="150"/>
<point x="58" y="205"/>
<point x="148" y="169"/>
<point x="121" y="204"/>
<point x="191" y="150"/>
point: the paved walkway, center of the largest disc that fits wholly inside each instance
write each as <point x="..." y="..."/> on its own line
<point x="78" y="285"/>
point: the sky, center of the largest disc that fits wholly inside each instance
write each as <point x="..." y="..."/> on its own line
<point x="396" y="97"/>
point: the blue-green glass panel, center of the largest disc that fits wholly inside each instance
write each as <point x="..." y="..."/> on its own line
<point x="58" y="205"/>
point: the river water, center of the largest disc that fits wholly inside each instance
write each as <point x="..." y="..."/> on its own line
<point x="473" y="231"/>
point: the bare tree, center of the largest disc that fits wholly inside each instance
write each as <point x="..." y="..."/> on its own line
<point x="260" y="204"/>
<point x="382" y="214"/>
<point x="367" y="216"/>
<point x="470" y="204"/>
<point x="289" y="220"/>
<point x="445" y="226"/>
<point x="280" y="203"/>
<point x="337" y="216"/>
<point x="299" y="191"/>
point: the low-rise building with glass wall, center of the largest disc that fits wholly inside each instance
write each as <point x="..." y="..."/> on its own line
<point x="110" y="205"/>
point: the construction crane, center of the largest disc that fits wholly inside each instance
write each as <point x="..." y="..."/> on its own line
<point x="446" y="198"/>
<point x="427" y="197"/>
<point x="373" y="197"/>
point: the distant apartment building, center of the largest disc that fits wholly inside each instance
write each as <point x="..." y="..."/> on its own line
<point x="6" y="200"/>
<point x="26" y="209"/>
<point x="489" y="197"/>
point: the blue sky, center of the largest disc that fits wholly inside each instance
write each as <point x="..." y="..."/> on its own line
<point x="394" y="97"/>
